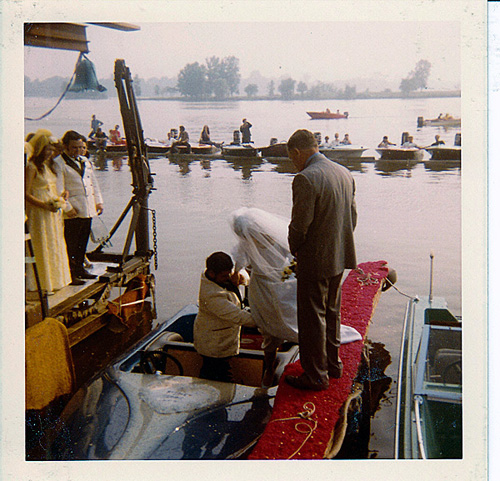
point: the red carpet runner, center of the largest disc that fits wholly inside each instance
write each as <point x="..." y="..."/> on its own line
<point x="286" y="438"/>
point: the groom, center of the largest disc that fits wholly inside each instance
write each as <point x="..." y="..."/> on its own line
<point x="84" y="202"/>
<point x="320" y="236"/>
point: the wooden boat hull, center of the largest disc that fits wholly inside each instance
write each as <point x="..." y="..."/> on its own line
<point x="445" y="153"/>
<point x="327" y="115"/>
<point x="439" y="122"/>
<point x="243" y="150"/>
<point x="275" y="150"/>
<point x="400" y="154"/>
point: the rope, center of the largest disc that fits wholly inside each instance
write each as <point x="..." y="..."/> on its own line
<point x="402" y="293"/>
<point x="303" y="427"/>
<point x="46" y="114"/>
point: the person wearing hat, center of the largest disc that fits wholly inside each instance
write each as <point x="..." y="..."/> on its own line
<point x="44" y="204"/>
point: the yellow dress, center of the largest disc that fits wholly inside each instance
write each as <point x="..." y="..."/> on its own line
<point x="47" y="235"/>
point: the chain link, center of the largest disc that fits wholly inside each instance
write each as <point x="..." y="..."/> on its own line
<point x="155" y="238"/>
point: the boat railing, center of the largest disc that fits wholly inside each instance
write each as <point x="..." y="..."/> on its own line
<point x="418" y="421"/>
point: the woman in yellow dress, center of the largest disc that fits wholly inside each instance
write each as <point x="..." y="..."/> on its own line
<point x="44" y="213"/>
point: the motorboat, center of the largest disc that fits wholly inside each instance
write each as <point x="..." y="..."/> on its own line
<point x="327" y="114"/>
<point x="240" y="150"/>
<point x="343" y="151"/>
<point x="150" y="404"/>
<point x="199" y="150"/>
<point x="153" y="147"/>
<point x="445" y="152"/>
<point x="429" y="398"/>
<point x="274" y="149"/>
<point x="400" y="153"/>
<point x="441" y="121"/>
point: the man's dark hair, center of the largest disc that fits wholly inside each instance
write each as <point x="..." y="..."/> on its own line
<point x="71" y="135"/>
<point x="302" y="139"/>
<point x="219" y="262"/>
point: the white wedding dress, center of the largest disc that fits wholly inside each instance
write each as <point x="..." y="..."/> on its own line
<point x="263" y="250"/>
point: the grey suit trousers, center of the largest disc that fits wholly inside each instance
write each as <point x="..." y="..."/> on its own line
<point x="318" y="314"/>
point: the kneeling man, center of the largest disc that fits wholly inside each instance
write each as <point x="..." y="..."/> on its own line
<point x="220" y="317"/>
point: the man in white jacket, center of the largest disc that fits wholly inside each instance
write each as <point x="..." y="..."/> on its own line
<point x="84" y="201"/>
<point x="220" y="317"/>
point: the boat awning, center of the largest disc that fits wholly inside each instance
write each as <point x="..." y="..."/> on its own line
<point x="66" y="36"/>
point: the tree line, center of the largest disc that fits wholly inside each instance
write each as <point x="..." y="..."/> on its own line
<point x="219" y="79"/>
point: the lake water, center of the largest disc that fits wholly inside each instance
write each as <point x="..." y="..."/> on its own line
<point x="404" y="212"/>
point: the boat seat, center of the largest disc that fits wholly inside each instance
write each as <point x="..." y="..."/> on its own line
<point x="165" y="338"/>
<point x="448" y="365"/>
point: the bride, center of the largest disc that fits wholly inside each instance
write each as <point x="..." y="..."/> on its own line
<point x="263" y="250"/>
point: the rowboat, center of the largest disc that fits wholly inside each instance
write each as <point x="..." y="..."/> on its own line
<point x="400" y="153"/>
<point x="274" y="150"/>
<point x="343" y="152"/>
<point x="328" y="115"/>
<point x="197" y="151"/>
<point x="153" y="147"/>
<point x="429" y="399"/>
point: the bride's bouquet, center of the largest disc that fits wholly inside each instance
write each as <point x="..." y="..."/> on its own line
<point x="57" y="202"/>
<point x="289" y="270"/>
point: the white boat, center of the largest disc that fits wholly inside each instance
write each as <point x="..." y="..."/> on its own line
<point x="343" y="151"/>
<point x="400" y="153"/>
<point x="445" y="152"/>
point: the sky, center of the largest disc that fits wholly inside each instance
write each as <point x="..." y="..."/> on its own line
<point x="326" y="51"/>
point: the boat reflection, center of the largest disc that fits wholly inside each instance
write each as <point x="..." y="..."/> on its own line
<point x="376" y="384"/>
<point x="395" y="167"/>
<point x="443" y="165"/>
<point x="246" y="165"/>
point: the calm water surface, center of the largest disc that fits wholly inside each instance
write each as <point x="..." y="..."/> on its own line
<point x="405" y="212"/>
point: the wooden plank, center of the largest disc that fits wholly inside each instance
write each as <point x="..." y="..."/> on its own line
<point x="85" y="328"/>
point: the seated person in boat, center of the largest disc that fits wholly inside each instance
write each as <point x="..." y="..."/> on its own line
<point x="409" y="144"/>
<point x="326" y="143"/>
<point x="182" y="140"/>
<point x="205" y="137"/>
<point x="346" y="140"/>
<point x="100" y="139"/>
<point x="220" y="317"/>
<point x="385" y="143"/>
<point x="336" y="140"/>
<point x="115" y="136"/>
<point x="437" y="141"/>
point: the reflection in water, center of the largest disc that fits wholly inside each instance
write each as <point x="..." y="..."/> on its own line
<point x="247" y="165"/>
<point x="184" y="168"/>
<point x="395" y="167"/>
<point x="443" y="165"/>
<point x="353" y="165"/>
<point x="376" y="383"/>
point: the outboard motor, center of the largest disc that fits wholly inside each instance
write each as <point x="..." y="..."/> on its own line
<point x="458" y="140"/>
<point x="273" y="141"/>
<point x="236" y="138"/>
<point x="346" y="114"/>
<point x="404" y="137"/>
<point x="420" y="122"/>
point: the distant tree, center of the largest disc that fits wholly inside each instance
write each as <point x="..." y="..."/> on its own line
<point x="270" y="88"/>
<point x="157" y="90"/>
<point x="192" y="81"/>
<point x="349" y="92"/>
<point x="220" y="88"/>
<point x="301" y="88"/>
<point x="232" y="75"/>
<point x="137" y="85"/>
<point x="322" y="91"/>
<point x="251" y="89"/>
<point x="416" y="79"/>
<point x="287" y="88"/>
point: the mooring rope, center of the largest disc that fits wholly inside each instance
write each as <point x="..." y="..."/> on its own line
<point x="302" y="426"/>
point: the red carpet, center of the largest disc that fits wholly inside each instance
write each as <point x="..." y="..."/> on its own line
<point x="283" y="437"/>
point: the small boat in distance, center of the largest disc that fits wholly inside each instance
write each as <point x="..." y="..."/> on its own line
<point x="441" y="121"/>
<point x="327" y="114"/>
<point x="400" y="153"/>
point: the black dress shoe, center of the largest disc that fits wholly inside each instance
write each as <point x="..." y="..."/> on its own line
<point x="86" y="275"/>
<point x="77" y="282"/>
<point x="303" y="382"/>
<point x="335" y="372"/>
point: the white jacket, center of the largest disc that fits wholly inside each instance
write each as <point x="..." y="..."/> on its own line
<point x="84" y="192"/>
<point x="218" y="323"/>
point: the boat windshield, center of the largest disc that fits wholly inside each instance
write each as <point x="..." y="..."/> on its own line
<point x="442" y="373"/>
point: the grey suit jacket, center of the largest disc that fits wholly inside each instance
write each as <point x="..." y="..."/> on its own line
<point x="324" y="216"/>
